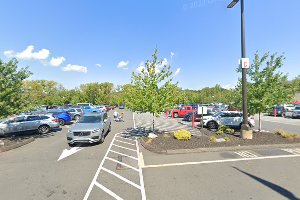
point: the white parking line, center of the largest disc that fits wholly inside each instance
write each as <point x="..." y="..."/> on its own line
<point x="219" y="161"/>
<point x="143" y="193"/>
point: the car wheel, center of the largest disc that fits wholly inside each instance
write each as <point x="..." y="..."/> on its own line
<point x="77" y="117"/>
<point x="175" y="115"/>
<point x="71" y="145"/>
<point x="62" y="122"/>
<point x="43" y="129"/>
<point x="212" y="125"/>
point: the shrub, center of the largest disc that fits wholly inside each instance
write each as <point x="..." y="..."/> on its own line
<point x="229" y="131"/>
<point x="166" y="135"/>
<point x="222" y="128"/>
<point x="279" y="132"/>
<point x="213" y="139"/>
<point x="182" y="135"/>
<point x="219" y="132"/>
<point x="227" y="139"/>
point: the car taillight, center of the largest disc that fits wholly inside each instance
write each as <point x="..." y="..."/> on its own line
<point x="55" y="120"/>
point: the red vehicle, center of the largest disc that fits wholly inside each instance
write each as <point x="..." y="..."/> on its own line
<point x="182" y="111"/>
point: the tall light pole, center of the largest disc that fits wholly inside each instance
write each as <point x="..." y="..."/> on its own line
<point x="245" y="127"/>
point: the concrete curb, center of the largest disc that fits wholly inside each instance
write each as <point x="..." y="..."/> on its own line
<point x="214" y="149"/>
<point x="17" y="145"/>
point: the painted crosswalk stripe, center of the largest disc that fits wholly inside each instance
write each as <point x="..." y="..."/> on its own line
<point x="245" y="154"/>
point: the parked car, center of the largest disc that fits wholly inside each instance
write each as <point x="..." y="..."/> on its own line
<point x="84" y="104"/>
<point x="232" y="119"/>
<point x="279" y="111"/>
<point x="89" y="109"/>
<point x="296" y="112"/>
<point x="43" y="124"/>
<point x="91" y="128"/>
<point x="189" y="116"/>
<point x="182" y="111"/>
<point x="76" y="113"/>
<point x="63" y="116"/>
<point x="101" y="107"/>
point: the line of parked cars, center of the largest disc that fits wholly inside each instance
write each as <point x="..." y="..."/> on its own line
<point x="46" y="118"/>
<point x="290" y="110"/>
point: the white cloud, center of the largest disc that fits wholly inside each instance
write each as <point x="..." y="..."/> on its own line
<point x="76" y="68"/>
<point x="57" y="61"/>
<point x="122" y="64"/>
<point x="177" y="72"/>
<point x="172" y="55"/>
<point x="98" y="65"/>
<point x="28" y="54"/>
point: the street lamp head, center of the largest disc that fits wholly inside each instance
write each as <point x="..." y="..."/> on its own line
<point x="232" y="3"/>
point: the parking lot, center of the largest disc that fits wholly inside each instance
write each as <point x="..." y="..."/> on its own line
<point x="121" y="169"/>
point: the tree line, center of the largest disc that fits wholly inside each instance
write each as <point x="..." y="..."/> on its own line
<point x="266" y="86"/>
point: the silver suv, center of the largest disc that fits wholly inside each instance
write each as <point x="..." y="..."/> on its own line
<point x="42" y="124"/>
<point x="91" y="128"/>
<point x="231" y="119"/>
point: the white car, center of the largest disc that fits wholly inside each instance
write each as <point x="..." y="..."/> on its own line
<point x="232" y="119"/>
<point x="102" y="108"/>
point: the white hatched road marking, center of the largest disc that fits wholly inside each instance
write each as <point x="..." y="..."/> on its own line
<point x="293" y="151"/>
<point x="139" y="170"/>
<point x="108" y="191"/>
<point x="122" y="178"/>
<point x="123" y="147"/>
<point x="245" y="154"/>
<point x="122" y="154"/>
<point x="125" y="138"/>
<point x="124" y="142"/>
<point x="121" y="163"/>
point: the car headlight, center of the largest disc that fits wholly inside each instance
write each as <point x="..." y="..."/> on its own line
<point x="96" y="130"/>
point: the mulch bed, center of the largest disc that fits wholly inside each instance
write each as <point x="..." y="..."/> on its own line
<point x="7" y="143"/>
<point x="259" y="138"/>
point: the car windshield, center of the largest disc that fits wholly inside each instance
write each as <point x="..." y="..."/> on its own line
<point x="216" y="114"/>
<point x="90" y="119"/>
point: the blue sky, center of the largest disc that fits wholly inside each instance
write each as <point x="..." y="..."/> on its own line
<point x="203" y="36"/>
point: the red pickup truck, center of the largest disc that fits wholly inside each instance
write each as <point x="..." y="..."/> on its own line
<point x="182" y="111"/>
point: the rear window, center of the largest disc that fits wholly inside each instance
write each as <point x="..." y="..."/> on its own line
<point x="297" y="108"/>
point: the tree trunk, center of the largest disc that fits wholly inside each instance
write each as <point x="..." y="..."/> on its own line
<point x="259" y="122"/>
<point x="153" y="123"/>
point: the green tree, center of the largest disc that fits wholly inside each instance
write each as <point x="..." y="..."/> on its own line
<point x="152" y="89"/>
<point x="266" y="84"/>
<point x="11" y="87"/>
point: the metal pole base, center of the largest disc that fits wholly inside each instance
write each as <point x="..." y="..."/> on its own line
<point x="246" y="132"/>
